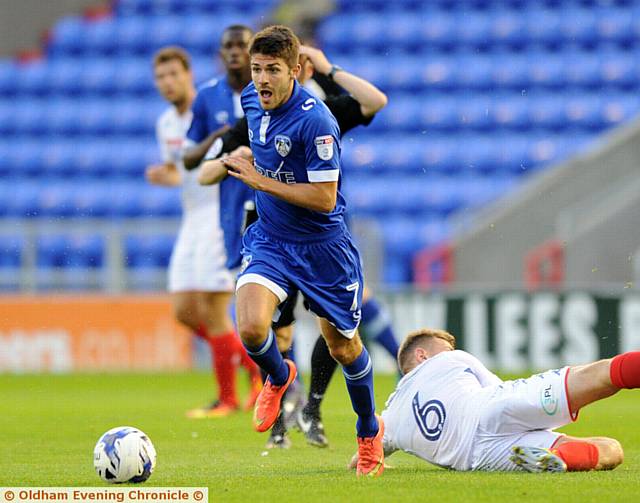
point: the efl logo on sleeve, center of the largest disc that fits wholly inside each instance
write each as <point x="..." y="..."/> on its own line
<point x="324" y="147"/>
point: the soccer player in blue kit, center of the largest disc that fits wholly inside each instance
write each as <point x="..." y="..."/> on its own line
<point x="300" y="241"/>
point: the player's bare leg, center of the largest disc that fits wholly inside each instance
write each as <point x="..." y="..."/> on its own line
<point x="215" y="310"/>
<point x="356" y="365"/>
<point x="587" y="384"/>
<point x="255" y="306"/>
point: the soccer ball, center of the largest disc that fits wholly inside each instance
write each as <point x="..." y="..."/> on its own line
<point x="124" y="454"/>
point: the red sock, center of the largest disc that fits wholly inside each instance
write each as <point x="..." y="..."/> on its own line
<point x="625" y="370"/>
<point x="201" y="332"/>
<point x="224" y="365"/>
<point x="579" y="456"/>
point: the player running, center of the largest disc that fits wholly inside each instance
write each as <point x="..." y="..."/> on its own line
<point x="201" y="285"/>
<point x="451" y="411"/>
<point x="356" y="108"/>
<point x="300" y="241"/>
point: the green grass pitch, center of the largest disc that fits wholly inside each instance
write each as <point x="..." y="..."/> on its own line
<point x="49" y="426"/>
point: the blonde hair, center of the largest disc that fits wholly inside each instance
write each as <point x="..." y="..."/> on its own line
<point x="414" y="339"/>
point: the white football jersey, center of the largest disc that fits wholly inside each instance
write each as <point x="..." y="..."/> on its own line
<point x="171" y="130"/>
<point x="435" y="409"/>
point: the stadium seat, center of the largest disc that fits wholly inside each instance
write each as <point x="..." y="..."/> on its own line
<point x="143" y="251"/>
<point x="11" y="249"/>
<point x="8" y="82"/>
<point x="68" y="36"/>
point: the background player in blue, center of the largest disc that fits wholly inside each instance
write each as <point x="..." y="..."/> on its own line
<point x="300" y="241"/>
<point x="217" y="104"/>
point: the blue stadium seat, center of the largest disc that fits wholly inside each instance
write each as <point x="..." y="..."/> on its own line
<point x="441" y="156"/>
<point x="437" y="73"/>
<point x="579" y="26"/>
<point x="33" y="78"/>
<point x="101" y="37"/>
<point x="58" y="158"/>
<point x="473" y="29"/>
<point x="511" y="112"/>
<point x="92" y="200"/>
<point x="615" y="24"/>
<point x="508" y="29"/>
<point x="584" y="111"/>
<point x="68" y="36"/>
<point x="474" y="113"/>
<point x="8" y="83"/>
<point x="619" y="70"/>
<point x="67" y="75"/>
<point x="23" y="157"/>
<point x="547" y="112"/>
<point x="620" y="108"/>
<point x="160" y="202"/>
<point x="509" y="72"/>
<point x="22" y="200"/>
<point x="546" y="70"/>
<point x="99" y="77"/>
<point x="438" y="114"/>
<point x="543" y="27"/>
<point x="474" y="72"/>
<point x="439" y="29"/>
<point x="11" y="249"/>
<point x="124" y="201"/>
<point x="56" y="200"/>
<point x="582" y="70"/>
<point x="148" y="250"/>
<point x="29" y="117"/>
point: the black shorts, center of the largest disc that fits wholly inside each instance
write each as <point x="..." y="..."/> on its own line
<point x="287" y="308"/>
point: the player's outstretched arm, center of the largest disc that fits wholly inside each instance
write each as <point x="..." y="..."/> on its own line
<point x="192" y="156"/>
<point x="313" y="196"/>
<point x="166" y="175"/>
<point x="214" y="171"/>
<point x="370" y="98"/>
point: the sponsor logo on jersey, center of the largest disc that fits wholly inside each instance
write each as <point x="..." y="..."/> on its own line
<point x="430" y="417"/>
<point x="222" y="117"/>
<point x="250" y="135"/>
<point x="283" y="145"/>
<point x="324" y="147"/>
<point x="549" y="399"/>
<point x="308" y="105"/>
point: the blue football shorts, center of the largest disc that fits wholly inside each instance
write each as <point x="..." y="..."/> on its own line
<point x="326" y="268"/>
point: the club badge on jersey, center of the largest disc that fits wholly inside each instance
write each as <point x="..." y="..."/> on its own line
<point x="283" y="145"/>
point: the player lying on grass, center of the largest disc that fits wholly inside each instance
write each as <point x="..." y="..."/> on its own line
<point x="451" y="411"/>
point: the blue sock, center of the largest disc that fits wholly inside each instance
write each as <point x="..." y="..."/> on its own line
<point x="375" y="326"/>
<point x="359" y="377"/>
<point x="270" y="360"/>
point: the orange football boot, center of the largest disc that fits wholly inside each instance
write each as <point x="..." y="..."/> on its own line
<point x="267" y="406"/>
<point x="371" y="454"/>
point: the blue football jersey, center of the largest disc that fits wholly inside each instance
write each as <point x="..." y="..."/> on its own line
<point x="213" y="108"/>
<point x="298" y="142"/>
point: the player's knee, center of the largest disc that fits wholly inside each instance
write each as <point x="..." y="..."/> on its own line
<point x="343" y="353"/>
<point x="253" y="332"/>
<point x="187" y="314"/>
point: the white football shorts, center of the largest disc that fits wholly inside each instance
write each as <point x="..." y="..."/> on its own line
<point x="198" y="261"/>
<point x="523" y="412"/>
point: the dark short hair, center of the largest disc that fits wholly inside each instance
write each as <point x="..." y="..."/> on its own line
<point x="414" y="339"/>
<point x="170" y="53"/>
<point x="277" y="41"/>
<point x="237" y="27"/>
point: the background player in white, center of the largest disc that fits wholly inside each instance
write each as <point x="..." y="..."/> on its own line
<point x="200" y="284"/>
<point x="451" y="411"/>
